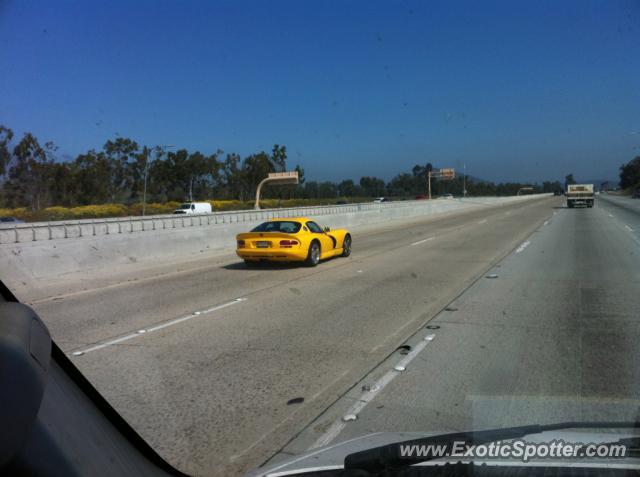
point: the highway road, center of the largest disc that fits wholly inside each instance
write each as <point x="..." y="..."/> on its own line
<point x="222" y="367"/>
<point x="549" y="334"/>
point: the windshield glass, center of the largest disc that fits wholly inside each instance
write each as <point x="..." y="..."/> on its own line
<point x="348" y="124"/>
<point x="278" y="226"/>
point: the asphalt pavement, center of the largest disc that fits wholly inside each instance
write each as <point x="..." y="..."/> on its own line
<point x="222" y="367"/>
<point x="548" y="335"/>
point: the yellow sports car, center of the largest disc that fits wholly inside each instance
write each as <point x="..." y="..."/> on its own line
<point x="292" y="240"/>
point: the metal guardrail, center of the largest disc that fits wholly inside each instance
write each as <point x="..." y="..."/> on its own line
<point x="39" y="231"/>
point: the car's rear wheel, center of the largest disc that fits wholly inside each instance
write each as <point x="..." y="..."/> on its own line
<point x="346" y="246"/>
<point x="313" y="257"/>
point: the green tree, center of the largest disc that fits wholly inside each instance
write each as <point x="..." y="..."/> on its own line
<point x="232" y="177"/>
<point x="568" y="180"/>
<point x="372" y="186"/>
<point x="406" y="184"/>
<point x="551" y="186"/>
<point x="29" y="175"/>
<point x="279" y="158"/>
<point x="347" y="188"/>
<point x="120" y="152"/>
<point x="92" y="178"/>
<point x="6" y="135"/>
<point x="311" y="190"/>
<point x="327" y="190"/>
<point x="255" y="168"/>
<point x="630" y="173"/>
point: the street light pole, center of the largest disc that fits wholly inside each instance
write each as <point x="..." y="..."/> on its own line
<point x="146" y="172"/>
<point x="464" y="179"/>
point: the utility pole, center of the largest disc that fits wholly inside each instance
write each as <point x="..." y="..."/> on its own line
<point x="429" y="168"/>
<point x="464" y="180"/>
<point x="146" y="172"/>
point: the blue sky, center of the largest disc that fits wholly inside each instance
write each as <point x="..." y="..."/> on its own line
<point x="516" y="90"/>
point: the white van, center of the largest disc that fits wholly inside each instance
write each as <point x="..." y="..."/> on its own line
<point x="194" y="208"/>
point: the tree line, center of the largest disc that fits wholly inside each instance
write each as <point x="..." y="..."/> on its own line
<point x="33" y="176"/>
<point x="630" y="174"/>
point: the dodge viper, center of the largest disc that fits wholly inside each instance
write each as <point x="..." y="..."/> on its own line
<point x="292" y="240"/>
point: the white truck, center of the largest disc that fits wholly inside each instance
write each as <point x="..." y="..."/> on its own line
<point x="194" y="208"/>
<point x="579" y="194"/>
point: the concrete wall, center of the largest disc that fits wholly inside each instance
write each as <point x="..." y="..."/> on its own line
<point x="35" y="253"/>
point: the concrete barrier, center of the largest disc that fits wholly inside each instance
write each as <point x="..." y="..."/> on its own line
<point x="71" y="229"/>
<point x="40" y="231"/>
<point x="35" y="253"/>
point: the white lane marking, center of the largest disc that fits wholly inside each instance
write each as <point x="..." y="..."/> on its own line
<point x="367" y="396"/>
<point x="523" y="246"/>
<point x="422" y="241"/>
<point x="157" y="327"/>
<point x="610" y="215"/>
<point x="307" y="456"/>
<point x="483" y="221"/>
<point x="545" y="222"/>
<point x="628" y="228"/>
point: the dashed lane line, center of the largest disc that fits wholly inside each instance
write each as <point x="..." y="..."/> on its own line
<point x="367" y="396"/>
<point x="422" y="241"/>
<point x="151" y="329"/>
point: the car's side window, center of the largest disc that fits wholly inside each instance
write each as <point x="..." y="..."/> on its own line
<point x="315" y="228"/>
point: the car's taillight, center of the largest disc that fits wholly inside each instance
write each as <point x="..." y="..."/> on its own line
<point x="240" y="243"/>
<point x="288" y="243"/>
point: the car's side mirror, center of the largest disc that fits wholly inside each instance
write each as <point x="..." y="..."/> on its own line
<point x="327" y="229"/>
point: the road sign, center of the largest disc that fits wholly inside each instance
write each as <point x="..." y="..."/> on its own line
<point x="447" y="174"/>
<point x="444" y="174"/>
<point x="290" y="177"/>
<point x="276" y="178"/>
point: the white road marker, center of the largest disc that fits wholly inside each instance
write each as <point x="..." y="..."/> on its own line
<point x="483" y="221"/>
<point x="143" y="331"/>
<point x="610" y="215"/>
<point x="628" y="228"/>
<point x="522" y="246"/>
<point x="545" y="222"/>
<point x="422" y="241"/>
<point x="367" y="396"/>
